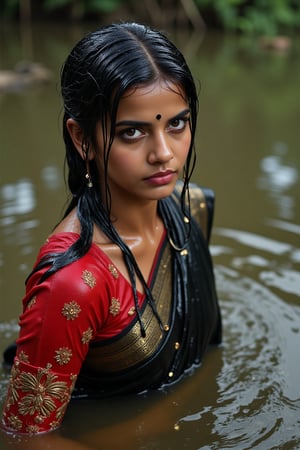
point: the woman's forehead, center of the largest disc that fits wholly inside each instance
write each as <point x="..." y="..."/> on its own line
<point x="159" y="98"/>
<point x="149" y="88"/>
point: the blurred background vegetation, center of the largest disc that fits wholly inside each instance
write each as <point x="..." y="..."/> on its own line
<point x="257" y="17"/>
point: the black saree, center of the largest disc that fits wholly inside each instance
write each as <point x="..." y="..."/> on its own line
<point x="184" y="292"/>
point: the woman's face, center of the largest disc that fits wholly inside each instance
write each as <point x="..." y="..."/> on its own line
<point x="151" y="143"/>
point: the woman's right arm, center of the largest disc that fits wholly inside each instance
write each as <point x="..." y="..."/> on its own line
<point x="58" y="322"/>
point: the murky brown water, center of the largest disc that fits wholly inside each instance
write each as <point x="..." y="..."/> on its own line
<point x="247" y="394"/>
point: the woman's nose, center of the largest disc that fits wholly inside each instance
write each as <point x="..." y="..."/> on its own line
<point x="161" y="151"/>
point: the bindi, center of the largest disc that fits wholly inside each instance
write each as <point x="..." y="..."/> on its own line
<point x="158" y="116"/>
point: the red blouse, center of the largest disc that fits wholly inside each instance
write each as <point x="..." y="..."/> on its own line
<point x="88" y="300"/>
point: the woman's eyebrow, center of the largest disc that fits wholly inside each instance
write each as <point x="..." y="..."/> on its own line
<point x="137" y="123"/>
<point x="181" y="114"/>
<point x="131" y="123"/>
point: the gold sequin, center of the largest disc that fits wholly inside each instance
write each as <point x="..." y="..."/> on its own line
<point x="186" y="219"/>
<point x="88" y="278"/>
<point x="202" y="205"/>
<point x="171" y="374"/>
<point x="115" y="306"/>
<point x="184" y="252"/>
<point x="63" y="355"/>
<point x="31" y="302"/>
<point x="39" y="419"/>
<point x="87" y="336"/>
<point x="176" y="427"/>
<point x="166" y="327"/>
<point x="71" y="310"/>
<point x="131" y="311"/>
<point x="113" y="271"/>
<point x="177" y="345"/>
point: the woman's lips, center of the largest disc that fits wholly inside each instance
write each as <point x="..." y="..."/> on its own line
<point x="161" y="178"/>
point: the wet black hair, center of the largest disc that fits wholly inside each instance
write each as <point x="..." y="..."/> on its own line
<point x="99" y="70"/>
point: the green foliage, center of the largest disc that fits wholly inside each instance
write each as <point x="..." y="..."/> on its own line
<point x="106" y="6"/>
<point x="53" y="4"/>
<point x="82" y="7"/>
<point x="261" y="17"/>
<point x="9" y="6"/>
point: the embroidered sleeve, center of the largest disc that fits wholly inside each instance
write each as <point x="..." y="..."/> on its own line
<point x="61" y="316"/>
<point x="36" y="399"/>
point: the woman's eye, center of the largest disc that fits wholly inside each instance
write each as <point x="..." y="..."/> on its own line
<point x="131" y="133"/>
<point x="178" y="124"/>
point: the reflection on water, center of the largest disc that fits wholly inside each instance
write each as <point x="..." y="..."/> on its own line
<point x="17" y="201"/>
<point x="277" y="178"/>
<point x="246" y="395"/>
<point x="291" y="227"/>
<point x="252" y="240"/>
<point x="17" y="198"/>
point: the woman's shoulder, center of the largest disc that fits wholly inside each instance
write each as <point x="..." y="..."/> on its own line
<point x="60" y="242"/>
<point x="69" y="224"/>
<point x="87" y="280"/>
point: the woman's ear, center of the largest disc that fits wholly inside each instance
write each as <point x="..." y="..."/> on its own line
<point x="77" y="136"/>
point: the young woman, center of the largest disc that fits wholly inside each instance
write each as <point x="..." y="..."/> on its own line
<point x="122" y="297"/>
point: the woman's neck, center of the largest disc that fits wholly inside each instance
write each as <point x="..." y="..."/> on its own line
<point x="136" y="219"/>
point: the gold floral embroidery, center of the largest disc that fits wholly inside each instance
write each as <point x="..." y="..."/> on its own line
<point x="35" y="396"/>
<point x="14" y="422"/>
<point x="32" y="429"/>
<point x="115" y="306"/>
<point x="61" y="410"/>
<point x="12" y="394"/>
<point x="41" y="391"/>
<point x="71" y="310"/>
<point x="131" y="311"/>
<point x="87" y="336"/>
<point x="23" y="357"/>
<point x="31" y="302"/>
<point x="88" y="278"/>
<point x="63" y="355"/>
<point x="55" y="424"/>
<point x="113" y="271"/>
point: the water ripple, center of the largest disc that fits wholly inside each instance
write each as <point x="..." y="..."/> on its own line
<point x="259" y="397"/>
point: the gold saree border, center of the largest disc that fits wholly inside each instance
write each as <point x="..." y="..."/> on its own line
<point x="132" y="348"/>
<point x="198" y="206"/>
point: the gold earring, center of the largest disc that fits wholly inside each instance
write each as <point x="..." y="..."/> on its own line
<point x="89" y="181"/>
